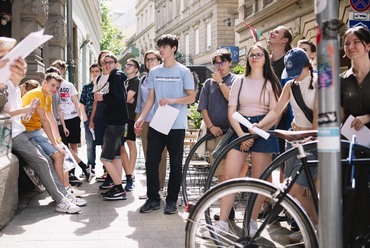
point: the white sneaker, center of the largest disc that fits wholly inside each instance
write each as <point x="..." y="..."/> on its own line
<point x="74" y="191"/>
<point x="218" y="227"/>
<point x="65" y="206"/>
<point x="77" y="201"/>
<point x="253" y="228"/>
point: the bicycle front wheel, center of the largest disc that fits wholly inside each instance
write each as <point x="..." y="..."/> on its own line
<point x="273" y="235"/>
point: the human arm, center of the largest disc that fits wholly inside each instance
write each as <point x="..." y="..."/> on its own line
<point x="83" y="112"/>
<point x="223" y="87"/>
<point x="270" y="119"/>
<point x="46" y="124"/>
<point x="215" y="130"/>
<point x="147" y="107"/>
<point x="62" y="122"/>
<point x="130" y="96"/>
<point x="91" y="124"/>
<point x="77" y="105"/>
<point x="360" y="121"/>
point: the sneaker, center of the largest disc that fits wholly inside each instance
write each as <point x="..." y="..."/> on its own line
<point x="132" y="177"/>
<point x="217" y="228"/>
<point x="92" y="172"/>
<point x="65" y="206"/>
<point x="170" y="208"/>
<point x="77" y="201"/>
<point x="88" y="173"/>
<point x="150" y="205"/>
<point x="115" y="193"/>
<point x="101" y="178"/>
<point x="107" y="184"/>
<point x="231" y="215"/>
<point x="296" y="237"/>
<point x="253" y="228"/>
<point x="129" y="184"/>
<point x="74" y="191"/>
<point x="74" y="181"/>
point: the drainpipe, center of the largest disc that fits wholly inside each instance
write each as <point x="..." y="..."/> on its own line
<point x="70" y="61"/>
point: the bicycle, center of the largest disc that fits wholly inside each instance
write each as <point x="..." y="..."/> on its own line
<point x="278" y="195"/>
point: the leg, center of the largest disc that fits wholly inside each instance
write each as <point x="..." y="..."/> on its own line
<point x="34" y="157"/>
<point x="233" y="164"/>
<point x="259" y="163"/>
<point x="90" y="146"/>
<point x="175" y="146"/>
<point x="162" y="168"/>
<point x="156" y="144"/>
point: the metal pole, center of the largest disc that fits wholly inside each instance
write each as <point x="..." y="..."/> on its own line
<point x="70" y="61"/>
<point x="330" y="205"/>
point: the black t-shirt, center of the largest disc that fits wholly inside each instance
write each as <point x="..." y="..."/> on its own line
<point x="132" y="84"/>
<point x="355" y="98"/>
<point x="278" y="67"/>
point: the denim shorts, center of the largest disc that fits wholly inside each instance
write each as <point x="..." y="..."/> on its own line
<point x="112" y="142"/>
<point x="292" y="165"/>
<point x="270" y="145"/>
<point x="43" y="141"/>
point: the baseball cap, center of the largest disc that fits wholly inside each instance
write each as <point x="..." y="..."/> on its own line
<point x="295" y="60"/>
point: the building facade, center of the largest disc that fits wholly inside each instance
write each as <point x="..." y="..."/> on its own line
<point x="30" y="16"/>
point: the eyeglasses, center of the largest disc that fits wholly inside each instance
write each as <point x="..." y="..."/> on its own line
<point x="129" y="65"/>
<point x="222" y="63"/>
<point x="257" y="55"/>
<point x="107" y="63"/>
<point x="150" y="59"/>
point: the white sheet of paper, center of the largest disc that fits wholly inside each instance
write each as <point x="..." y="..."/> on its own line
<point x="362" y="136"/>
<point x="164" y="118"/>
<point x="23" y="49"/>
<point x="249" y="125"/>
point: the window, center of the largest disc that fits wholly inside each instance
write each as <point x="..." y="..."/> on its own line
<point x="187" y="45"/>
<point x="196" y="41"/>
<point x="209" y="36"/>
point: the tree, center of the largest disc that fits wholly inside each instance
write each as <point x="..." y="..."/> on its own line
<point x="112" y="36"/>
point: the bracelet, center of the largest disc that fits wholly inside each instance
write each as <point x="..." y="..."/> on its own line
<point x="58" y="139"/>
<point x="210" y="127"/>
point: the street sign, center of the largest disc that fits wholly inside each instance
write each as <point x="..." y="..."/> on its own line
<point x="234" y="50"/>
<point x="360" y="5"/>
<point x="355" y="23"/>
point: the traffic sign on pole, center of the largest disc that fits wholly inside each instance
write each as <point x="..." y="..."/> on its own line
<point x="360" y="5"/>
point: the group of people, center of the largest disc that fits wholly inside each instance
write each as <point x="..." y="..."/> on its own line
<point x="115" y="107"/>
<point x="262" y="96"/>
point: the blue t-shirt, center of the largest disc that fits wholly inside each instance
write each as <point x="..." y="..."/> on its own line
<point x="172" y="83"/>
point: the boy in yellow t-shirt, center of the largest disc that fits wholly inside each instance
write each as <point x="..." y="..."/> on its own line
<point x="42" y="125"/>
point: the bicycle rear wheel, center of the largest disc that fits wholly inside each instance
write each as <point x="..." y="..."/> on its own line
<point x="195" y="172"/>
<point x="273" y="235"/>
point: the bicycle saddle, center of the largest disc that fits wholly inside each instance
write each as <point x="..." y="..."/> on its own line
<point x="294" y="135"/>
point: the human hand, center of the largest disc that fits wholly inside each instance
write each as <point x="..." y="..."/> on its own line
<point x="246" y="145"/>
<point x="91" y="125"/>
<point x="217" y="76"/>
<point x="165" y="101"/>
<point x="66" y="132"/>
<point x="98" y="96"/>
<point x="138" y="126"/>
<point x="18" y="70"/>
<point x="360" y="121"/>
<point x="216" y="131"/>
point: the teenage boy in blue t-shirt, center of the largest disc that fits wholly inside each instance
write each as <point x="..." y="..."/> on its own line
<point x="169" y="83"/>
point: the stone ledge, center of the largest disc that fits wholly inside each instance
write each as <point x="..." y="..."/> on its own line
<point x="9" y="172"/>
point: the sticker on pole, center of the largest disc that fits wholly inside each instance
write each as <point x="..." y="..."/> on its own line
<point x="360" y="5"/>
<point x="329" y="139"/>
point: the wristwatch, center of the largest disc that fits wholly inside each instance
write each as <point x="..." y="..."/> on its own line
<point x="221" y="83"/>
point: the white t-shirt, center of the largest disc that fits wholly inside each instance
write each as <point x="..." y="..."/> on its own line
<point x="14" y="103"/>
<point x="67" y="90"/>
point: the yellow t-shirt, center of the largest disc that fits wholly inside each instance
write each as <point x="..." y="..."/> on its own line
<point x="45" y="103"/>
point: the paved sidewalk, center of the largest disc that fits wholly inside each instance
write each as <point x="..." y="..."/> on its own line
<point x="100" y="224"/>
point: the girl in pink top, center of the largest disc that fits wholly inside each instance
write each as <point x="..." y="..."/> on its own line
<point x="259" y="93"/>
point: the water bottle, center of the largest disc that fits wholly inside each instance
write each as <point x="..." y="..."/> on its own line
<point x="92" y="133"/>
<point x="34" y="104"/>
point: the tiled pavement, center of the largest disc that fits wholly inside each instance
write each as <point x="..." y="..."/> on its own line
<point x="100" y="224"/>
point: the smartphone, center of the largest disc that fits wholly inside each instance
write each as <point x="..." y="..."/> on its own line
<point x="7" y="43"/>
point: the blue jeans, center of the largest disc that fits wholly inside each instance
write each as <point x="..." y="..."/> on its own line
<point x="174" y="141"/>
<point x="90" y="146"/>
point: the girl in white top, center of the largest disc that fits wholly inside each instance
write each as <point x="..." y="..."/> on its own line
<point x="299" y="69"/>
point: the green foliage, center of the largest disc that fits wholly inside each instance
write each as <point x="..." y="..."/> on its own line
<point x="112" y="36"/>
<point x="239" y="69"/>
<point x="195" y="116"/>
